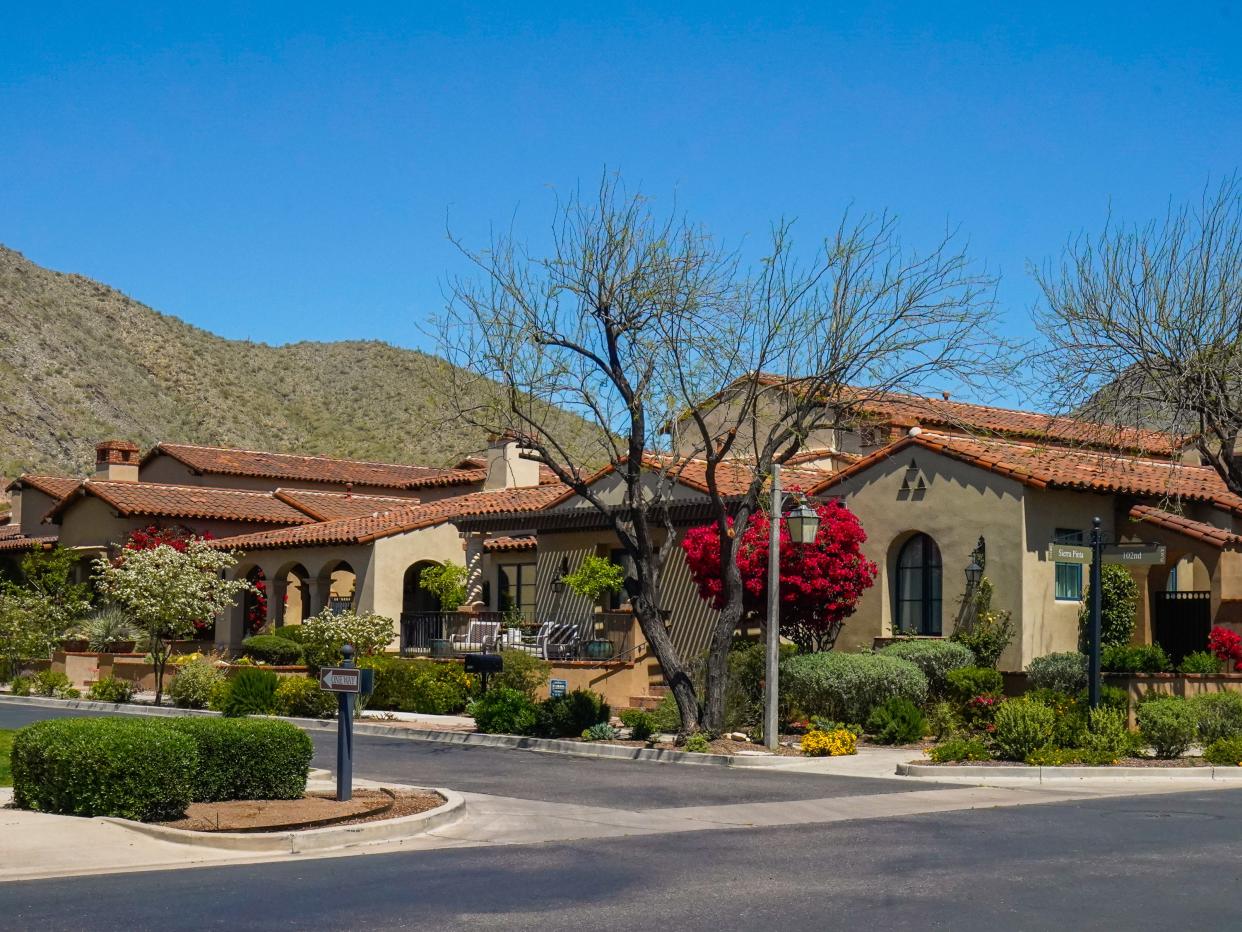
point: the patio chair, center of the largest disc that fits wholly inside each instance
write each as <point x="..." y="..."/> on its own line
<point x="480" y="635"/>
<point x="559" y="641"/>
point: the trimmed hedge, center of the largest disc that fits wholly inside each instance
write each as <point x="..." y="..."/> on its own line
<point x="247" y="758"/>
<point x="272" y="649"/>
<point x="846" y="687"/>
<point x="131" y="768"/>
<point x="418" y="686"/>
<point x="935" y="658"/>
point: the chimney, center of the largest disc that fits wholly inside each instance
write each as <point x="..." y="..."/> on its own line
<point x="506" y="469"/>
<point x="116" y="461"/>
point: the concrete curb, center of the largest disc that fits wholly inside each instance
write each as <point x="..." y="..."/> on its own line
<point x="466" y="739"/>
<point x="1047" y="774"/>
<point x="314" y="839"/>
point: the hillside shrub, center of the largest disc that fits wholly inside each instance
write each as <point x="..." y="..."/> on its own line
<point x="301" y="697"/>
<point x="989" y="631"/>
<point x="846" y="687"/>
<point x="111" y="689"/>
<point x="1065" y="672"/>
<point x="504" y="711"/>
<point x="131" y="768"/>
<point x="744" y="690"/>
<point x="1022" y="726"/>
<point x="522" y="671"/>
<point x="418" y="686"/>
<point x="944" y="720"/>
<point x="1135" y="658"/>
<point x="935" y="658"/>
<point x="571" y="714"/>
<point x="967" y="682"/>
<point x="1224" y="752"/>
<point x="898" y="721"/>
<point x="1217" y="715"/>
<point x="666" y="716"/>
<point x="272" y="649"/>
<point x="955" y="750"/>
<point x="1168" y="726"/>
<point x="198" y="684"/>
<point x="1199" y="662"/>
<point x="246" y="759"/>
<point x="250" y="692"/>
<point x="1070" y="715"/>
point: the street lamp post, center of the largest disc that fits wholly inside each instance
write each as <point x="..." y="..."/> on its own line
<point x="803" y="524"/>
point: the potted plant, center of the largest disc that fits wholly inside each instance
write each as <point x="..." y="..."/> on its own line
<point x="594" y="578"/>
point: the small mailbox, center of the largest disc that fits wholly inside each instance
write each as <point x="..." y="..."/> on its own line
<point x="484" y="665"/>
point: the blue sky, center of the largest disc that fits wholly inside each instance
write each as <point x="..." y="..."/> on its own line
<point x="286" y="172"/>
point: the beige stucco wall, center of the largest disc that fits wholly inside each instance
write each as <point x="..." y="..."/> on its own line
<point x="91" y="522"/>
<point x="29" y="506"/>
<point x="394" y="555"/>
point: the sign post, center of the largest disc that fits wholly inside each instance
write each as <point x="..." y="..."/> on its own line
<point x="1093" y="631"/>
<point x="346" y="682"/>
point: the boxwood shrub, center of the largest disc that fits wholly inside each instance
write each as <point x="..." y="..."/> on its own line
<point x="272" y="649"/>
<point x="504" y="711"/>
<point x="846" y="687"/>
<point x="131" y="768"/>
<point x="935" y="658"/>
<point x="1065" y="672"/>
<point x="246" y="758"/>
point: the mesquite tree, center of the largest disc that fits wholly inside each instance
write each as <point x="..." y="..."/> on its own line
<point x="672" y="352"/>
<point x="1143" y="325"/>
<point x="820" y="583"/>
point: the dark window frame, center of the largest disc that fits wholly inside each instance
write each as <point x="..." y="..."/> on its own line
<point x="919" y="572"/>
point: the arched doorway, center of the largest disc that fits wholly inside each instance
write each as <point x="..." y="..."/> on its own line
<point x="342" y="582"/>
<point x="421" y="615"/>
<point x="1181" y="605"/>
<point x="296" y="595"/>
<point x="917" y="603"/>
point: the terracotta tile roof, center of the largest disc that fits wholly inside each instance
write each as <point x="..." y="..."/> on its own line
<point x="373" y="527"/>
<point x="1063" y="468"/>
<point x="185" y="501"/>
<point x="329" y="506"/>
<point x="509" y="544"/>
<point x="20" y="542"/>
<point x="56" y="487"/>
<point x="259" y="464"/>
<point x="915" y="410"/>
<point x="9" y="530"/>
<point x="1196" y="530"/>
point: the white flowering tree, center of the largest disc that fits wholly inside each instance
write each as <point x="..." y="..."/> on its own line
<point x="166" y="590"/>
<point x="326" y="633"/>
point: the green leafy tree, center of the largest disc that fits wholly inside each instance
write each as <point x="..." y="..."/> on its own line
<point x="38" y="611"/>
<point x="594" y="577"/>
<point x="1119" y="595"/>
<point x="447" y="582"/>
<point x="165" y="590"/>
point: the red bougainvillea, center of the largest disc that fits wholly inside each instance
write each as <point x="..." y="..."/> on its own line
<point x="1226" y="645"/>
<point x="820" y="582"/>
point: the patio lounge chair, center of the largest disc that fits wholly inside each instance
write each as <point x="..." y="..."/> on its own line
<point x="480" y="635"/>
<point x="555" y="640"/>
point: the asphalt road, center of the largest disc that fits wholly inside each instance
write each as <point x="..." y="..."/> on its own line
<point x="1155" y="862"/>
<point x="616" y="784"/>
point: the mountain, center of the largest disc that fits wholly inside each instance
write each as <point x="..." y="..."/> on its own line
<point x="81" y="362"/>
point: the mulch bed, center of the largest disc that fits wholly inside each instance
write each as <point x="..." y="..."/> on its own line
<point x="311" y="811"/>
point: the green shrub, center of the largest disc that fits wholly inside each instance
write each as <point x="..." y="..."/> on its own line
<point x="744" y="690"/>
<point x="132" y="768"/>
<point x="1118" y="606"/>
<point x="959" y="749"/>
<point x="846" y="687"/>
<point x="1218" y="715"/>
<point x="601" y="731"/>
<point x="571" y="714"/>
<point x="1108" y="734"/>
<point x="1070" y="715"/>
<point x="292" y="633"/>
<point x="272" y="649"/>
<point x="252" y="759"/>
<point x="21" y="685"/>
<point x="54" y="683"/>
<point x="108" y="627"/>
<point x="641" y="723"/>
<point x="110" y="689"/>
<point x="1167" y="725"/>
<point x="935" y="658"/>
<point x="1062" y="757"/>
<point x="1114" y="697"/>
<point x="197" y="684"/>
<point x="1022" y="726"/>
<point x="967" y="682"/>
<point x="697" y="743"/>
<point x="667" y="717"/>
<point x="898" y="721"/>
<point x="1224" y="752"/>
<point x="1065" y="672"/>
<point x="1201" y="661"/>
<point x="989" y="631"/>
<point x="1134" y="658"/>
<point x="418" y="686"/>
<point x="522" y="671"/>
<point x="250" y="692"/>
<point x="944" y="720"/>
<point x="301" y="697"/>
<point x="504" y="711"/>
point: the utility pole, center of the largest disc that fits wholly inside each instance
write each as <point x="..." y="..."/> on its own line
<point x="1093" y="631"/>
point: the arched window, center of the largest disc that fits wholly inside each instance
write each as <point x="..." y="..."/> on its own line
<point x="918" y="587"/>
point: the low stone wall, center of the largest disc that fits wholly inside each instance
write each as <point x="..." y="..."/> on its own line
<point x="86" y="667"/>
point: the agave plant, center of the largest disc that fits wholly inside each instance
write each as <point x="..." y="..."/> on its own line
<point x="108" y="627"/>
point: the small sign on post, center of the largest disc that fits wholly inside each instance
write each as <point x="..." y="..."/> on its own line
<point x="346" y="682"/>
<point x="1069" y="553"/>
<point x="557" y="687"/>
<point x="1143" y="554"/>
<point x="340" y="679"/>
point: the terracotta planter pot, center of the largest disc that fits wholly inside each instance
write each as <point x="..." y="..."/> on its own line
<point x="75" y="645"/>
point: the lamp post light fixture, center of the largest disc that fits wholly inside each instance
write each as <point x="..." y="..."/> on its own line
<point x="974" y="572"/>
<point x="803" y="524"/>
<point x="558" y="584"/>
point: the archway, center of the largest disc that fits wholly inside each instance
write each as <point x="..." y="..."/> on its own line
<point x="917" y="573"/>
<point x="296" y="596"/>
<point x="421" y="617"/>
<point x="341" y="582"/>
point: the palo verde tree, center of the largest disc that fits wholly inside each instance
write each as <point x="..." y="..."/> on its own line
<point x="676" y="354"/>
<point x="1143" y="325"/>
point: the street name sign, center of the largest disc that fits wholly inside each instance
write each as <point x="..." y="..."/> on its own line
<point x="1069" y="553"/>
<point x="1134" y="554"/>
<point x="340" y="679"/>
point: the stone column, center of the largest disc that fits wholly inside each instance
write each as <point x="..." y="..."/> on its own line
<point x="319" y="591"/>
<point x="475" y="558"/>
